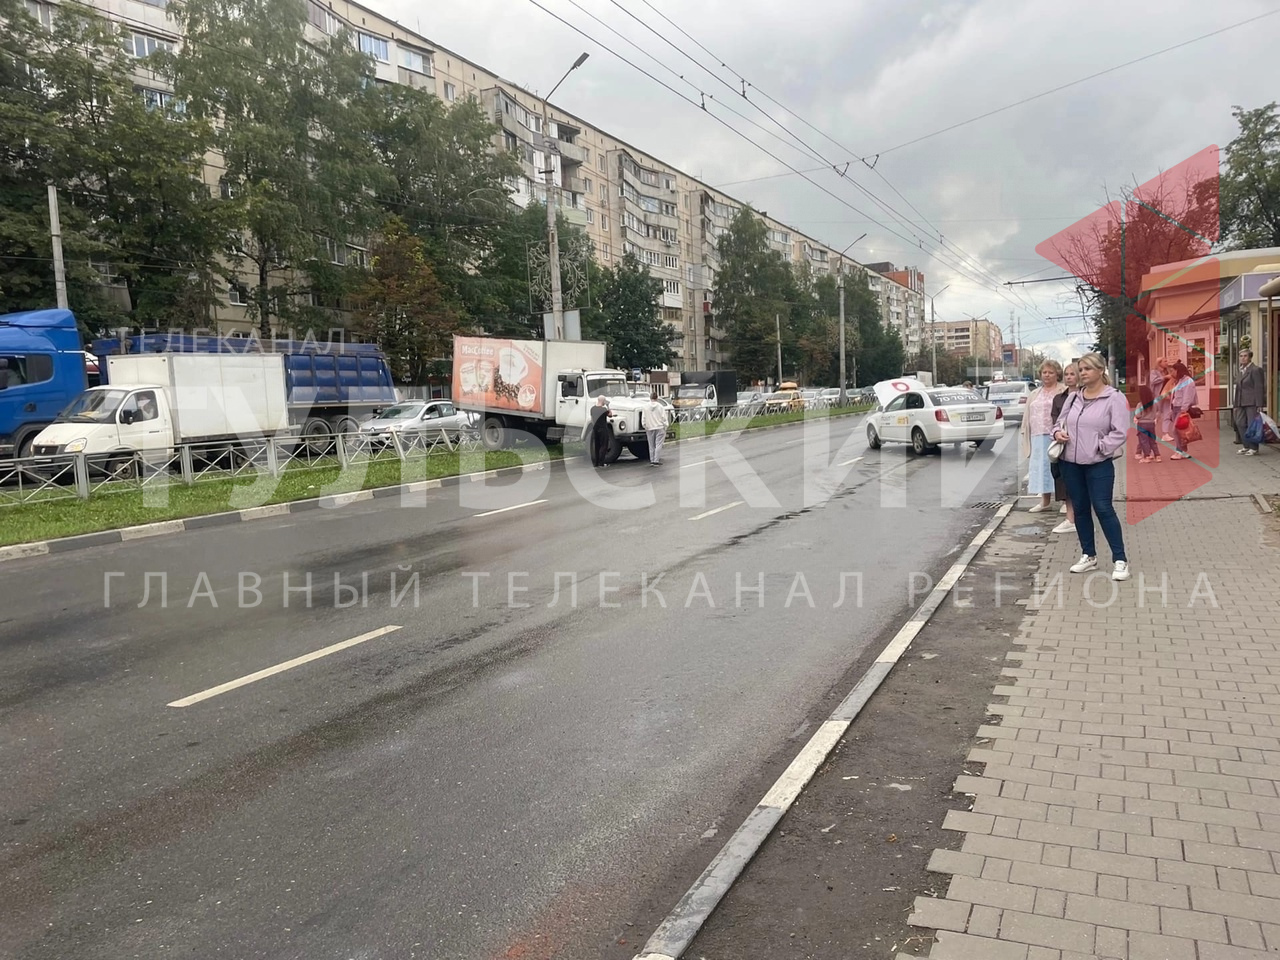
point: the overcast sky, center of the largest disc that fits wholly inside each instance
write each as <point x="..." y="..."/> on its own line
<point x="874" y="76"/>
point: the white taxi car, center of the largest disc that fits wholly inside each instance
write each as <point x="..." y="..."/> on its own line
<point x="926" y="417"/>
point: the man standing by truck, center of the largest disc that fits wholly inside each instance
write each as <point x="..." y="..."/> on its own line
<point x="655" y="427"/>
<point x="599" y="436"/>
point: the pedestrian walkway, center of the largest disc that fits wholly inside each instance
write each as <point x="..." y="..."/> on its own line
<point x="1129" y="807"/>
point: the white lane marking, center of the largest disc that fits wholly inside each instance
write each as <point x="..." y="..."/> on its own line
<point x="282" y="667"/>
<point x="790" y="442"/>
<point x="712" y="513"/>
<point x="848" y="463"/>
<point x="518" y="506"/>
<point x="686" y="466"/>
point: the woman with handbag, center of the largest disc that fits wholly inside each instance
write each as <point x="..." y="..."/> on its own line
<point x="1035" y="433"/>
<point x="1071" y="380"/>
<point x="1182" y="397"/>
<point x="1092" y="429"/>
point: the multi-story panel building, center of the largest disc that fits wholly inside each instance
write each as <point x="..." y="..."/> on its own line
<point x="623" y="198"/>
<point x="901" y="296"/>
<point x="980" y="339"/>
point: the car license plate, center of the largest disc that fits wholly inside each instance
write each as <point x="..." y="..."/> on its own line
<point x="972" y="417"/>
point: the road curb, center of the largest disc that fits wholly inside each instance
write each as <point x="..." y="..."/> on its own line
<point x="39" y="548"/>
<point x="681" y="925"/>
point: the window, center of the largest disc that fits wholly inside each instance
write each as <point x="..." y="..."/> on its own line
<point x="415" y="60"/>
<point x="320" y="18"/>
<point x="670" y="262"/>
<point x="604" y="250"/>
<point x="19" y="369"/>
<point x="375" y="47"/>
<point x="669" y="209"/>
<point x="509" y="139"/>
<point x="144" y="44"/>
<point x="42" y="13"/>
<point x="139" y="407"/>
<point x="604" y="222"/>
<point x="591" y="215"/>
<point x="631" y="222"/>
<point x="450" y="91"/>
<point x="586" y="155"/>
<point x="651" y="258"/>
<point x="778" y="236"/>
<point x="603" y="168"/>
<point x="162" y="100"/>
<point x="669" y="183"/>
<point x="668" y="234"/>
<point x="649" y="178"/>
<point x="671" y="286"/>
<point x="336" y="252"/>
<point x="228" y="189"/>
<point x="238" y="295"/>
<point x="604" y="191"/>
<point x="586" y="184"/>
<point x="650" y="204"/>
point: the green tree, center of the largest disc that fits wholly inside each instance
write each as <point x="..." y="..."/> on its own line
<point x="881" y="355"/>
<point x="752" y="287"/>
<point x="292" y="124"/>
<point x="446" y="182"/>
<point x="1250" y="184"/>
<point x="627" y="316"/>
<point x="403" y="305"/>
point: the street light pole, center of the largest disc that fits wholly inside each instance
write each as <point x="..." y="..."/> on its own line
<point x="933" y="328"/>
<point x="553" y="234"/>
<point x="843" y="375"/>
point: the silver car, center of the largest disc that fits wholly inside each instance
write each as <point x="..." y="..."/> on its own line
<point x="1011" y="397"/>
<point x="417" y="416"/>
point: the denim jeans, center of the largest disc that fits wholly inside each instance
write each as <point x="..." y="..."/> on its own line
<point x="1090" y="486"/>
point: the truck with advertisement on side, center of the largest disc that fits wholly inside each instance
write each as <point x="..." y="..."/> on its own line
<point x="701" y="393"/>
<point x="544" y="389"/>
<point x="155" y="402"/>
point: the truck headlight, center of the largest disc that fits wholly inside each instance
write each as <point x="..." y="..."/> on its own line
<point x="76" y="446"/>
<point x="622" y="426"/>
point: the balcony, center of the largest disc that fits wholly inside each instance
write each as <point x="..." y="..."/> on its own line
<point x="570" y="152"/>
<point x="419" y="81"/>
<point x="575" y="215"/>
<point x="575" y="185"/>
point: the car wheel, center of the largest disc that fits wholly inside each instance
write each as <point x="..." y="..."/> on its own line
<point x="873" y="438"/>
<point x="919" y="443"/>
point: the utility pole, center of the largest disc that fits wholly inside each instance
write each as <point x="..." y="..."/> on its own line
<point x="933" y="330"/>
<point x="553" y="197"/>
<point x="843" y="376"/>
<point x="55" y="234"/>
<point x="777" y="322"/>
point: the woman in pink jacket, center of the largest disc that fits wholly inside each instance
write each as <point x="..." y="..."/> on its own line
<point x="1093" y="426"/>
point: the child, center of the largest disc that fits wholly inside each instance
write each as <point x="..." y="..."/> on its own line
<point x="1146" y="418"/>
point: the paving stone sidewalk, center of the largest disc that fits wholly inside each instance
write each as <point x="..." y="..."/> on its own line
<point x="1129" y="808"/>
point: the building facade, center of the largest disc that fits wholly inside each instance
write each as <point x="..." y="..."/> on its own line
<point x="626" y="200"/>
<point x="980" y="339"/>
<point x="901" y="296"/>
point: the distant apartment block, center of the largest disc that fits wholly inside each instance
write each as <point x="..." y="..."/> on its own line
<point x="901" y="296"/>
<point x="980" y="339"/>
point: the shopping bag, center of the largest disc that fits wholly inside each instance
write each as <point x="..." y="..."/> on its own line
<point x="1270" y="432"/>
<point x="1253" y="434"/>
<point x="1191" y="433"/>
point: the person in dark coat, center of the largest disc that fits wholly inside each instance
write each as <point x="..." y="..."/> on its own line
<point x="1251" y="397"/>
<point x="600" y="436"/>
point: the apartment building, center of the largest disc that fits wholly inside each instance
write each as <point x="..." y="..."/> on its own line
<point x="625" y="199"/>
<point x="901" y="296"/>
<point x="980" y="339"/>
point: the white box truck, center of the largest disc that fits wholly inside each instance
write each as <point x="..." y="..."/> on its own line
<point x="154" y="402"/>
<point x="544" y="388"/>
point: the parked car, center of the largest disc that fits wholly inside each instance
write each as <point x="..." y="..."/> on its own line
<point x="1010" y="396"/>
<point x="926" y="418"/>
<point x="831" y="396"/>
<point x="417" y="416"/>
<point x="784" y="401"/>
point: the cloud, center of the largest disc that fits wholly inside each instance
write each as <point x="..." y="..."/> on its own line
<point x="874" y="76"/>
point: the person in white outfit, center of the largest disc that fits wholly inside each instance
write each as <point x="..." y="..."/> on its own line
<point x="656" y="421"/>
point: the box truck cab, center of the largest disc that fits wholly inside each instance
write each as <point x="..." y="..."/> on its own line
<point x="42" y="368"/>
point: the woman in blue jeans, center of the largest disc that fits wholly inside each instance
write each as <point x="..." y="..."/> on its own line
<point x="1093" y="425"/>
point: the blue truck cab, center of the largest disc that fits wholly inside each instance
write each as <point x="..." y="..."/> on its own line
<point x="43" y="370"/>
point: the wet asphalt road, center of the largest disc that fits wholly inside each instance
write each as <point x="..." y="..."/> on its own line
<point x="487" y="781"/>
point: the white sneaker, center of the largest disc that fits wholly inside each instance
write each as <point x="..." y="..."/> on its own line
<point x="1063" y="508"/>
<point x="1085" y="564"/>
<point x="1066" y="526"/>
<point x="1121" y="571"/>
<point x="1241" y="452"/>
<point x="1251" y="453"/>
<point x="1038" y="508"/>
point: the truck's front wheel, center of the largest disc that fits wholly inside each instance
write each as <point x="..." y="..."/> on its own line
<point x="493" y="433"/>
<point x="614" y="452"/>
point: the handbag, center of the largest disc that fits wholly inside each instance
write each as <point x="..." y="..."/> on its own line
<point x="1192" y="433"/>
<point x="1056" y="449"/>
<point x="1195" y="412"/>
